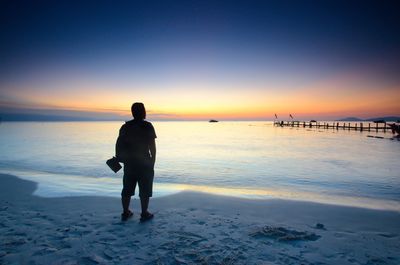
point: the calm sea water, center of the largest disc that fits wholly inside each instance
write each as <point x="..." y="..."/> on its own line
<point x="247" y="159"/>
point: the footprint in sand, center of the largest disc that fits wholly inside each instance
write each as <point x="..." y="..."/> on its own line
<point x="283" y="234"/>
<point x="44" y="251"/>
<point x="233" y="226"/>
<point x="388" y="235"/>
<point x="14" y="242"/>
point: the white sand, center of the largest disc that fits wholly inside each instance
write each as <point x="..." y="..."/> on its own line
<point x="190" y="228"/>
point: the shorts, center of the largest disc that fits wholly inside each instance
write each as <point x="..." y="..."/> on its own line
<point x="141" y="174"/>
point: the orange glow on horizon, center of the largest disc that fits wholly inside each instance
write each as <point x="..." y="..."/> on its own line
<point x="339" y="97"/>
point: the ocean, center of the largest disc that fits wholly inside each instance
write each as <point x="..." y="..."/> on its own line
<point x="245" y="159"/>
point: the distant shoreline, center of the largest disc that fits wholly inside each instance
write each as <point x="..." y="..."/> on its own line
<point x="73" y="119"/>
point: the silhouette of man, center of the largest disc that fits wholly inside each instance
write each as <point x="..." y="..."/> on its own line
<point x="136" y="148"/>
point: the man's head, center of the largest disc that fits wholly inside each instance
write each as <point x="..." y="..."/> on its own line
<point x="138" y="111"/>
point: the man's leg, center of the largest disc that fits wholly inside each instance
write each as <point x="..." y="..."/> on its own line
<point x="126" y="200"/>
<point x="146" y="215"/>
<point x="125" y="205"/>
<point x="144" y="201"/>
<point x="129" y="185"/>
<point x="145" y="192"/>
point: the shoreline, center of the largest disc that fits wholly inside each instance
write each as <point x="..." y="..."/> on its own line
<point x="190" y="227"/>
<point x="53" y="185"/>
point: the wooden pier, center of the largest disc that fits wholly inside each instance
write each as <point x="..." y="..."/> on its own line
<point x="356" y="126"/>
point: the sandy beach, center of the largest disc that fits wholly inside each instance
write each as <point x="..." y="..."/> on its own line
<point x="190" y="228"/>
<point x="266" y="132"/>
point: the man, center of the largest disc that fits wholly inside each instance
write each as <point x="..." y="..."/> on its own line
<point x="136" y="148"/>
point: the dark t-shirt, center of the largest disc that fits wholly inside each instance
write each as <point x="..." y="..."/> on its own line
<point x="134" y="141"/>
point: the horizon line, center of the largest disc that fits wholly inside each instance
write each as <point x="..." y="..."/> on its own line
<point x="77" y="119"/>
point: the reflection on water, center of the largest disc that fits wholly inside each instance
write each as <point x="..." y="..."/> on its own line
<point x="250" y="159"/>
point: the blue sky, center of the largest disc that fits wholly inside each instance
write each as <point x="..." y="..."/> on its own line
<point x="167" y="53"/>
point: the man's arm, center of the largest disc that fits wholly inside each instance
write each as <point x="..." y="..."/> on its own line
<point x="152" y="148"/>
<point x="119" y="145"/>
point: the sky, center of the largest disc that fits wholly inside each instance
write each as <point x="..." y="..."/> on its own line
<point x="200" y="60"/>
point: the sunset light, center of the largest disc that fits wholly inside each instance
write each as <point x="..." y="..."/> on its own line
<point x="229" y="64"/>
<point x="199" y="132"/>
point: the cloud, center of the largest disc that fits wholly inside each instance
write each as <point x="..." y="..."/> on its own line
<point x="9" y="113"/>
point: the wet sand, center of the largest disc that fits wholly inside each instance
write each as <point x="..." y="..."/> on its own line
<point x="190" y="228"/>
